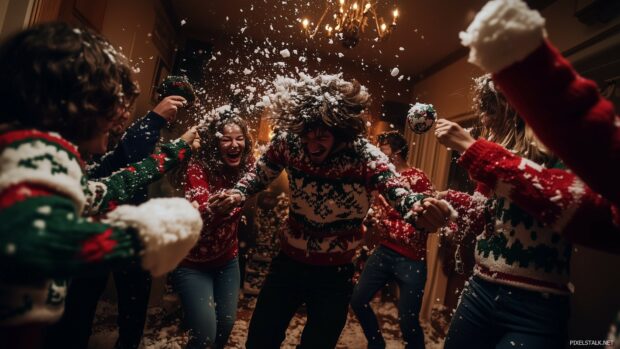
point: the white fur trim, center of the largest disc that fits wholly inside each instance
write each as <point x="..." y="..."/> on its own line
<point x="168" y="228"/>
<point x="502" y="33"/>
<point x="46" y="158"/>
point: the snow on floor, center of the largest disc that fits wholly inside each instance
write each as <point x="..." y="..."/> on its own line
<point x="164" y="330"/>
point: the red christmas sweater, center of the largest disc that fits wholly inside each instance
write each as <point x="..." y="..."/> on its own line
<point x="569" y="115"/>
<point x="394" y="232"/>
<point x="526" y="218"/>
<point x="218" y="242"/>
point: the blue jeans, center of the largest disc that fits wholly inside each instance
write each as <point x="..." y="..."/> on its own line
<point x="386" y="265"/>
<point x="491" y="315"/>
<point x="209" y="299"/>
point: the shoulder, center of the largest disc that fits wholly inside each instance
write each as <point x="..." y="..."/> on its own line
<point x="31" y="156"/>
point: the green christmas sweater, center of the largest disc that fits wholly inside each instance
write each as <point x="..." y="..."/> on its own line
<point x="328" y="201"/>
<point x="47" y="233"/>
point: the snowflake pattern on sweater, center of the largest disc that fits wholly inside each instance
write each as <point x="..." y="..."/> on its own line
<point x="328" y="201"/>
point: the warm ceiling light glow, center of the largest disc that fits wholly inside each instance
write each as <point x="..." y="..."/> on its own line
<point x="351" y="19"/>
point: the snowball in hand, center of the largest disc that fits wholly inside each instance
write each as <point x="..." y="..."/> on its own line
<point x="421" y="117"/>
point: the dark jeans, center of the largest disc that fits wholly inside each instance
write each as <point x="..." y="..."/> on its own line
<point x="491" y="315"/>
<point x="209" y="299"/>
<point x="385" y="265"/>
<point x="326" y="291"/>
<point x="133" y="288"/>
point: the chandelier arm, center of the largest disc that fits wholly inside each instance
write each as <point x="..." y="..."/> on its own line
<point x="318" y="24"/>
<point x="374" y="15"/>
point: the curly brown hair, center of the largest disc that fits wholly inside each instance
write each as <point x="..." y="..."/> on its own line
<point x="64" y="79"/>
<point x="397" y="142"/>
<point x="324" y="102"/>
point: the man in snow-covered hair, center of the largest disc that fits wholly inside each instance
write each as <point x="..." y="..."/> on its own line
<point x="332" y="170"/>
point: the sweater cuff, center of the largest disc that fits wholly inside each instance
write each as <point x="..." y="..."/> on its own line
<point x="476" y="151"/>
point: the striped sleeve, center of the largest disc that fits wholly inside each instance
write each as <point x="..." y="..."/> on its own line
<point x="106" y="194"/>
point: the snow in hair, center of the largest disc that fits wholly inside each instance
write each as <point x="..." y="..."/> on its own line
<point x="327" y="99"/>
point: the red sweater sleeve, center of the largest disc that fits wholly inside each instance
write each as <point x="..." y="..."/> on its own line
<point x="471" y="213"/>
<point x="568" y="114"/>
<point x="197" y="186"/>
<point x="554" y="197"/>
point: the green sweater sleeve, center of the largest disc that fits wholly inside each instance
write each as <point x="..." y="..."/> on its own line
<point x="43" y="236"/>
<point x="105" y="194"/>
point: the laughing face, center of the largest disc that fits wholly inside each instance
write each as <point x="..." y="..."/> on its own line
<point x="318" y="144"/>
<point x="232" y="144"/>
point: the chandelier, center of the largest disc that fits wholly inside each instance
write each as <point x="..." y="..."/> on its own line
<point x="350" y="20"/>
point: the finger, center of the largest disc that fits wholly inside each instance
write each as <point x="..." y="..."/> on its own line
<point x="177" y="98"/>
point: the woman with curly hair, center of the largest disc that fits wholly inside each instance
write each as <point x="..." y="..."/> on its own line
<point x="63" y="89"/>
<point x="208" y="279"/>
<point x="332" y="170"/>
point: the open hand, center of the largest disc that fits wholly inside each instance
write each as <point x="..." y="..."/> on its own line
<point x="452" y="135"/>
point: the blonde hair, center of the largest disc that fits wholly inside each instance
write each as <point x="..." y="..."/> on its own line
<point x="503" y="125"/>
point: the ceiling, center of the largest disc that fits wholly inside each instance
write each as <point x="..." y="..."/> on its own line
<point x="425" y="38"/>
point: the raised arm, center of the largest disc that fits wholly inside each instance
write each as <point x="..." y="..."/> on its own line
<point x="137" y="143"/>
<point x="105" y="194"/>
<point x="268" y="168"/>
<point x="565" y="110"/>
<point x="553" y="196"/>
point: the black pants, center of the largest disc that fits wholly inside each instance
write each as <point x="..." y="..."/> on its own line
<point x="75" y="327"/>
<point x="326" y="291"/>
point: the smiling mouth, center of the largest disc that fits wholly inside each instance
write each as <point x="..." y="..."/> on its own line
<point x="234" y="156"/>
<point x="317" y="153"/>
